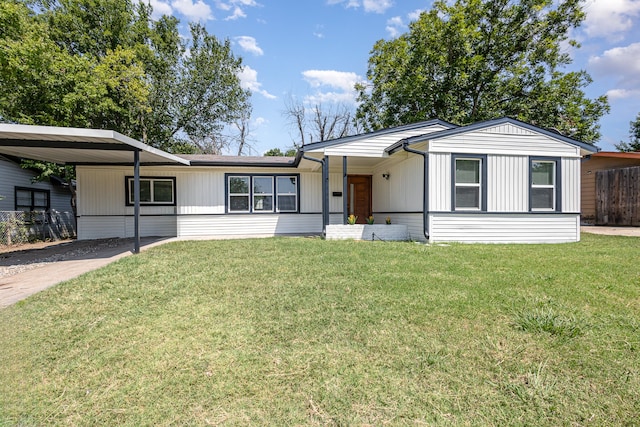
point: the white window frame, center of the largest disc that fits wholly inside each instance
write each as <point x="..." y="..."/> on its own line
<point x="254" y="195"/>
<point x="151" y="180"/>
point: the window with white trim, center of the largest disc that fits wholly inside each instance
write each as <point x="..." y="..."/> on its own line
<point x="467" y="183"/>
<point x="153" y="191"/>
<point x="262" y="193"/>
<point x="543" y="185"/>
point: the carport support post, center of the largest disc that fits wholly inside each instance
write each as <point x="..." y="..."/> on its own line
<point x="136" y="201"/>
<point x="345" y="213"/>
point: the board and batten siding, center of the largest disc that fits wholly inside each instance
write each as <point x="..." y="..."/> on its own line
<point x="402" y="192"/>
<point x="497" y="228"/>
<point x="200" y="204"/>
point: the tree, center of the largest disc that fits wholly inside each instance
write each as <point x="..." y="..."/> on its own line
<point x="475" y="60"/>
<point x="634" y="137"/>
<point x="276" y="152"/>
<point x="106" y="64"/>
<point x="318" y="123"/>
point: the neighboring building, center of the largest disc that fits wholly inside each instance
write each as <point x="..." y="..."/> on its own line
<point x="497" y="181"/>
<point x="605" y="161"/>
<point x="20" y="193"/>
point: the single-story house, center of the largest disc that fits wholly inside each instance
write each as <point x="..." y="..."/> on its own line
<point x="495" y="181"/>
<point x="598" y="163"/>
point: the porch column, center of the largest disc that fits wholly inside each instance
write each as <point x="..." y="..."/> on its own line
<point x="345" y="213"/>
<point x="325" y="194"/>
<point x="136" y="201"/>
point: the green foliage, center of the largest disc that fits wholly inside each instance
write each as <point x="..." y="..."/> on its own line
<point x="634" y="137"/>
<point x="476" y="60"/>
<point x="276" y="152"/>
<point x="106" y="64"/>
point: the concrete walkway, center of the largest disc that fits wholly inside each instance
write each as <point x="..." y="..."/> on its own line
<point x="16" y="287"/>
<point x="611" y="231"/>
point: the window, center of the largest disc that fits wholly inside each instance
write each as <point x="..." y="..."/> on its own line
<point x="262" y="193"/>
<point x="544" y="185"/>
<point x="153" y="191"/>
<point x="469" y="176"/>
<point x="32" y="199"/>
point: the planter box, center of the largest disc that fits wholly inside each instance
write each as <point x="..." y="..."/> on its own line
<point x="367" y="232"/>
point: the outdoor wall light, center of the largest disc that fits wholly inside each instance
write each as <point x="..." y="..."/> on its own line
<point x="386" y="176"/>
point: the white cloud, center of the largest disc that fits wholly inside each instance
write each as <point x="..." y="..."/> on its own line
<point x="623" y="64"/>
<point x="259" y="121"/>
<point x="237" y="13"/>
<point x="249" y="44"/>
<point x="325" y="82"/>
<point x="249" y="80"/>
<point x="238" y="7"/>
<point x="614" y="94"/>
<point x="196" y="11"/>
<point x="160" y="8"/>
<point x="413" y="16"/>
<point x="610" y="18"/>
<point x="375" y="6"/>
<point x="394" y="26"/>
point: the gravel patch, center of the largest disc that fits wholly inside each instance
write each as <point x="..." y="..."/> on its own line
<point x="19" y="261"/>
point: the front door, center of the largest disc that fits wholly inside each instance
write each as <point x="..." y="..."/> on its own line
<point x="359" y="196"/>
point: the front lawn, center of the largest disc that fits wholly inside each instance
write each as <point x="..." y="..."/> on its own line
<point x="298" y="331"/>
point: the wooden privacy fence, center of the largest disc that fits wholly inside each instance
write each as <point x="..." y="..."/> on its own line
<point x="618" y="196"/>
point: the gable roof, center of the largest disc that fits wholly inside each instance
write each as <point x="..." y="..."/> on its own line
<point x="487" y="124"/>
<point x="378" y="133"/>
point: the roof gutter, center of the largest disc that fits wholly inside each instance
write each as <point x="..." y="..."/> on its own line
<point x="425" y="193"/>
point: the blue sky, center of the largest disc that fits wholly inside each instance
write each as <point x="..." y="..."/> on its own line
<point x="315" y="50"/>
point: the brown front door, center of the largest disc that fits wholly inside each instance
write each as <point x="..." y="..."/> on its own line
<point x="359" y="196"/>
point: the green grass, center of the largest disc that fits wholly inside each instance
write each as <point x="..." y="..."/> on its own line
<point x="313" y="332"/>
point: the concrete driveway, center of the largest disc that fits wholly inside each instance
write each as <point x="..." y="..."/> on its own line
<point x="611" y="231"/>
<point x="24" y="272"/>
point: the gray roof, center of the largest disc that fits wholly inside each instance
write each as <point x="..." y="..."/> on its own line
<point x="216" y="160"/>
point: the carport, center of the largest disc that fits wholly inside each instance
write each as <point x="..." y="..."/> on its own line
<point x="75" y="146"/>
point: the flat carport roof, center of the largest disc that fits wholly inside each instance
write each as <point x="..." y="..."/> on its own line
<point x="84" y="146"/>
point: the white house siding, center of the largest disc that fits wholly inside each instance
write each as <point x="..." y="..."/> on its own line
<point x="507" y="183"/>
<point x="248" y="225"/>
<point x="571" y="185"/>
<point x="505" y="139"/>
<point x="12" y="175"/>
<point x="402" y="192"/>
<point x="497" y="228"/>
<point x="200" y="207"/>
<point x="439" y="181"/>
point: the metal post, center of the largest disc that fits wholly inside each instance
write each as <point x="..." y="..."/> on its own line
<point x="325" y="193"/>
<point x="136" y="201"/>
<point x="345" y="213"/>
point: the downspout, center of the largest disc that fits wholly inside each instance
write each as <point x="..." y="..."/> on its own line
<point x="325" y="191"/>
<point x="425" y="193"/>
